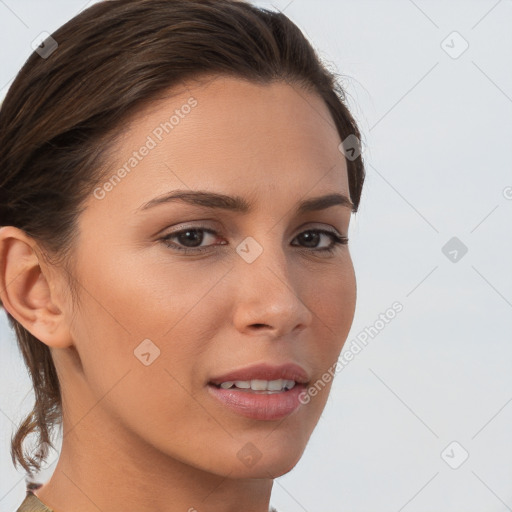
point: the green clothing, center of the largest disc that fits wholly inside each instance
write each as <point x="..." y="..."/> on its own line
<point x="32" y="503"/>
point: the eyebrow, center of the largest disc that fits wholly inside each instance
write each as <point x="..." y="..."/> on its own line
<point x="239" y="204"/>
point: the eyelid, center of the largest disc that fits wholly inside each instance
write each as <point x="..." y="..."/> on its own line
<point x="336" y="239"/>
<point x="213" y="230"/>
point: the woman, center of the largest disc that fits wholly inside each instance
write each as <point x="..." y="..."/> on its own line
<point x="177" y="182"/>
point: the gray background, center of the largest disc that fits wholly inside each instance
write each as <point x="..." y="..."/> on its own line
<point x="437" y="126"/>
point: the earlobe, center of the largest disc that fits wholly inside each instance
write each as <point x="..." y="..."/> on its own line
<point x="25" y="289"/>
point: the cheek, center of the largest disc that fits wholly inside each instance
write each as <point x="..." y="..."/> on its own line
<point x="333" y="304"/>
<point x="129" y="302"/>
<point x="149" y="297"/>
<point x="333" y="301"/>
<point x="143" y="386"/>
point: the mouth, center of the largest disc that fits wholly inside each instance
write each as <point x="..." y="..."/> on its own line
<point x="261" y="392"/>
<point x="259" y="386"/>
<point x="261" y="377"/>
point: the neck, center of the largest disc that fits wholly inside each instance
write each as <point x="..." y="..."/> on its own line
<point x="117" y="472"/>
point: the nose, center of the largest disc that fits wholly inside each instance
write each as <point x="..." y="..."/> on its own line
<point x="270" y="298"/>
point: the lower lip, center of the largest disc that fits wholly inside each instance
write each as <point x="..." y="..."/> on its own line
<point x="259" y="406"/>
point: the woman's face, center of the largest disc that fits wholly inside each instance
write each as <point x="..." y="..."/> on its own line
<point x="176" y="294"/>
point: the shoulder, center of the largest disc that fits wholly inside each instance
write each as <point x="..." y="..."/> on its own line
<point x="32" y="503"/>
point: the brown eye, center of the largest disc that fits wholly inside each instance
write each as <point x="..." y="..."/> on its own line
<point x="312" y="237"/>
<point x="190" y="239"/>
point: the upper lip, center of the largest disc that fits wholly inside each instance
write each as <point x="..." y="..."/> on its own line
<point x="265" y="371"/>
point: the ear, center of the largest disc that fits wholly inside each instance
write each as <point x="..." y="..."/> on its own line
<point x="26" y="289"/>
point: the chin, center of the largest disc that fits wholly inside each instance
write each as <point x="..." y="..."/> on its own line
<point x="267" y="456"/>
<point x="275" y="466"/>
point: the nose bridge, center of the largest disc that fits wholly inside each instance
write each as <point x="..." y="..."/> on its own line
<point x="267" y="287"/>
<point x="263" y="256"/>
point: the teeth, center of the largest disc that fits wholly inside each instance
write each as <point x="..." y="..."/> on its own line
<point x="260" y="385"/>
<point x="275" y="385"/>
<point x="289" y="384"/>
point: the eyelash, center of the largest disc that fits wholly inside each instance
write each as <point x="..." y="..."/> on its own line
<point x="336" y="239"/>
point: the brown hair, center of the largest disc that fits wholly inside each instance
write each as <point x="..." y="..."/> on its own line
<point x="67" y="106"/>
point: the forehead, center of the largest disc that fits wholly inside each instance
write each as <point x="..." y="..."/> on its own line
<point x="229" y="135"/>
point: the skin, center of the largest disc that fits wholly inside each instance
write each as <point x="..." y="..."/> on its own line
<point x="152" y="436"/>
